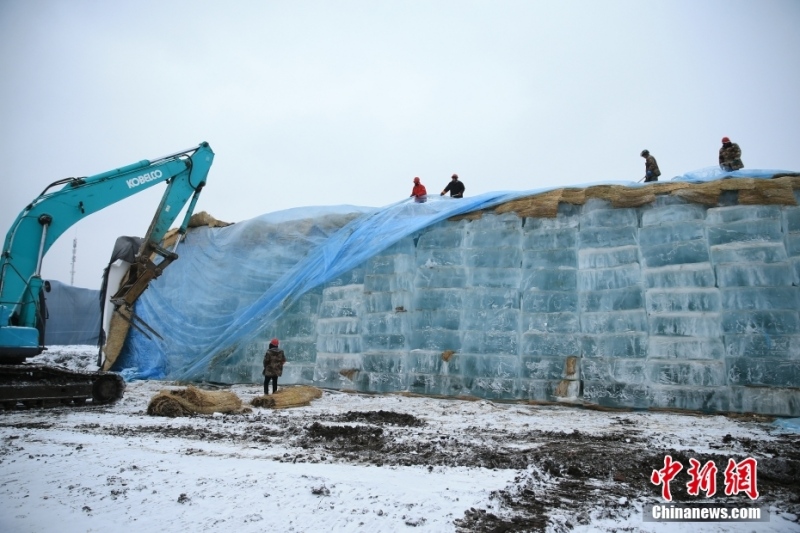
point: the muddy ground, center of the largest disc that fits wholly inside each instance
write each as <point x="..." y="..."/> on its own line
<point x="572" y="468"/>
<point x="561" y="473"/>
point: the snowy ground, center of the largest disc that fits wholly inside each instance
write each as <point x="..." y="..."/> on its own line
<point x="352" y="462"/>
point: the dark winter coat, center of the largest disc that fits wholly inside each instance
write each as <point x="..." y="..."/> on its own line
<point x="730" y="157"/>
<point x="455" y="188"/>
<point x="273" y="362"/>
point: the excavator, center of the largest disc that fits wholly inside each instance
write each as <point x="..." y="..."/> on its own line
<point x="38" y="226"/>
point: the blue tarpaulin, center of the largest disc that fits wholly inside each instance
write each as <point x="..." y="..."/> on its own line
<point x="789" y="424"/>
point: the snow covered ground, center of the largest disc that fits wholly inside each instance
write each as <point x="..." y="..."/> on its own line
<point x="353" y="462"/>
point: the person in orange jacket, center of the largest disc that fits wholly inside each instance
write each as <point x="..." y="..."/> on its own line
<point x="419" y="193"/>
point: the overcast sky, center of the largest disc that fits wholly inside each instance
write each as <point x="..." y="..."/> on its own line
<point x="344" y="102"/>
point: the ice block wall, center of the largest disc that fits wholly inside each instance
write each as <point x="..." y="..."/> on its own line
<point x="670" y="305"/>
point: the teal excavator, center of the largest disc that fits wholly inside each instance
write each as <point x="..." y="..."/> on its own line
<point x="38" y="226"/>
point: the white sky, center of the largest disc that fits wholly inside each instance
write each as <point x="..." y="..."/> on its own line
<point x="327" y="103"/>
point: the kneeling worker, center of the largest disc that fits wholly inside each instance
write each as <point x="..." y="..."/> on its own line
<point x="651" y="172"/>
<point x="730" y="156"/>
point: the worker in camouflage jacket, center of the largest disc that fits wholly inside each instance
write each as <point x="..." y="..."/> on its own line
<point x="651" y="172"/>
<point x="274" y="360"/>
<point x="730" y="156"/>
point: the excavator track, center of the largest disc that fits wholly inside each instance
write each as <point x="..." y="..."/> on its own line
<point x="36" y="385"/>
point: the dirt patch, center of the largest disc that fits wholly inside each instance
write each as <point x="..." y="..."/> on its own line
<point x="382" y="418"/>
<point x="357" y="436"/>
<point x="31" y="425"/>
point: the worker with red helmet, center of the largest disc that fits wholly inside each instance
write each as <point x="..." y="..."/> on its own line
<point x="274" y="360"/>
<point x="419" y="193"/>
<point x="730" y="156"/>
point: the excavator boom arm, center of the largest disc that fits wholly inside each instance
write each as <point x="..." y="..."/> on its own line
<point x="46" y="218"/>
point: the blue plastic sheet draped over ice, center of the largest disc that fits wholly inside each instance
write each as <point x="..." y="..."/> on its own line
<point x="789" y="424"/>
<point x="714" y="173"/>
<point x="232" y="283"/>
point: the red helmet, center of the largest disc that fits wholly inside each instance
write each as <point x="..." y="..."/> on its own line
<point x="274" y="342"/>
<point x="416" y="180"/>
<point x="725" y="140"/>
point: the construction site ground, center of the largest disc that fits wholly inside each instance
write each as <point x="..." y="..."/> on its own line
<point x="355" y="462"/>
